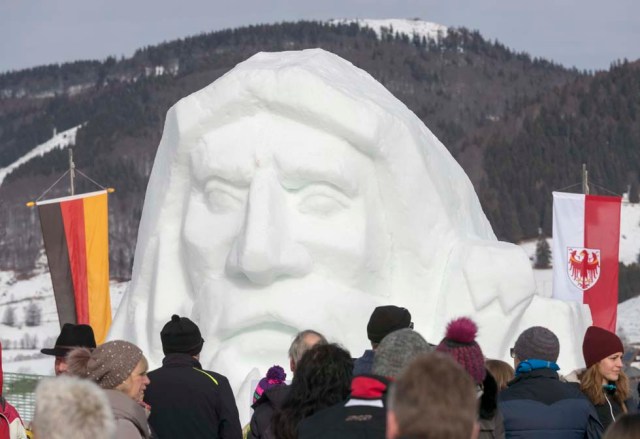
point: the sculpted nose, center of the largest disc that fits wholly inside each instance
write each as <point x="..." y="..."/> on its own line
<point x="264" y="249"/>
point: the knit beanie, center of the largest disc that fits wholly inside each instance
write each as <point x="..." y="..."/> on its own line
<point x="396" y="350"/>
<point x="386" y="319"/>
<point x="460" y="342"/>
<point x="537" y="343"/>
<point x="275" y="377"/>
<point x="181" y="335"/>
<point x="111" y="363"/>
<point x="599" y="344"/>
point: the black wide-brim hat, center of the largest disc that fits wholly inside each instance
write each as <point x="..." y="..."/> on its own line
<point x="72" y="336"/>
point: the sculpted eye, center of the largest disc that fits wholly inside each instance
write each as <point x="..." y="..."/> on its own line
<point x="220" y="200"/>
<point x="321" y="204"/>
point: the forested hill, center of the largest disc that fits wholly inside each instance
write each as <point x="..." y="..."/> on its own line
<point x="491" y="106"/>
<point x="593" y="120"/>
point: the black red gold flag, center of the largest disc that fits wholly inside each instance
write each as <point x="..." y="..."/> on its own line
<point x="75" y="230"/>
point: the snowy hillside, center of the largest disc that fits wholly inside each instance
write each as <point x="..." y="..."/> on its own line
<point x="59" y="140"/>
<point x="29" y="320"/>
<point x="420" y="28"/>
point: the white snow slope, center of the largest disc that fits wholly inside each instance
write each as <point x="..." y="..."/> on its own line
<point x="420" y="28"/>
<point x="60" y="141"/>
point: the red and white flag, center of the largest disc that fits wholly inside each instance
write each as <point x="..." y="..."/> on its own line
<point x="586" y="240"/>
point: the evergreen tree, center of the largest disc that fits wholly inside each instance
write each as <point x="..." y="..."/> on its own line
<point x="33" y="314"/>
<point x="9" y="317"/>
<point x="543" y="253"/>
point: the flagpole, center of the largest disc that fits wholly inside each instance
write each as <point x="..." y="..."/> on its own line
<point x="72" y="172"/>
<point x="585" y="179"/>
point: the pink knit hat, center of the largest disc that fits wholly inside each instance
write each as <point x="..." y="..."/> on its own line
<point x="460" y="342"/>
<point x="276" y="376"/>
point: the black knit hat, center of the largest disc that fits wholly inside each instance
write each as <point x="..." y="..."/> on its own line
<point x="181" y="335"/>
<point x="386" y="319"/>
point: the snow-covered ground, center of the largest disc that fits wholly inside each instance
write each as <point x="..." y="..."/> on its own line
<point x="18" y="339"/>
<point x="420" y="28"/>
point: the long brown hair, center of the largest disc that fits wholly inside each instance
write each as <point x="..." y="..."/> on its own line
<point x="501" y="371"/>
<point x="591" y="385"/>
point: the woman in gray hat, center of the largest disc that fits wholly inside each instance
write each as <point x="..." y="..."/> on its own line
<point x="120" y="368"/>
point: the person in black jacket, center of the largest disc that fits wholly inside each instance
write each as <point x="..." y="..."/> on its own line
<point x="186" y="401"/>
<point x="537" y="404"/>
<point x="383" y="321"/>
<point x="364" y="413"/>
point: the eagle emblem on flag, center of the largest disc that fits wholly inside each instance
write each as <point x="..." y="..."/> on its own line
<point x="583" y="266"/>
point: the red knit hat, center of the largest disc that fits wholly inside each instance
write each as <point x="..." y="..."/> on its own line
<point x="599" y="344"/>
<point x="460" y="342"/>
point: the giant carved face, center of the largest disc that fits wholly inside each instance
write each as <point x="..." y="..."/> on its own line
<point x="296" y="192"/>
<point x="283" y="230"/>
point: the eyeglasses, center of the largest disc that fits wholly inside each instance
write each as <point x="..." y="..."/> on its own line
<point x="512" y="352"/>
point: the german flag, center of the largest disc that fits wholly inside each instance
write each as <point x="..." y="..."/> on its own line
<point x="75" y="230"/>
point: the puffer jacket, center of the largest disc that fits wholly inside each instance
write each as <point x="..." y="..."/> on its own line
<point x="536" y="404"/>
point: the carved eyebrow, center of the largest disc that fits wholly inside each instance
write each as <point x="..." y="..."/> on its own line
<point x="206" y="166"/>
<point x="299" y="175"/>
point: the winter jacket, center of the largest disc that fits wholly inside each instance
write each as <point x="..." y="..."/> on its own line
<point x="611" y="409"/>
<point x="363" y="415"/>
<point x="263" y="410"/>
<point x="189" y="402"/>
<point x="364" y="364"/>
<point x="131" y="418"/>
<point x="537" y="405"/>
<point x="10" y="423"/>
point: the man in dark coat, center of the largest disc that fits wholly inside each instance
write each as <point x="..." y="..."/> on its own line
<point x="364" y="414"/>
<point x="185" y="400"/>
<point x="536" y="403"/>
<point x="384" y="320"/>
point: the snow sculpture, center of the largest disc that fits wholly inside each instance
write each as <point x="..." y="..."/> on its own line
<point x="296" y="192"/>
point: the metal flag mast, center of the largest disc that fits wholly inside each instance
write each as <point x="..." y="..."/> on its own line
<point x="72" y="176"/>
<point x="72" y="171"/>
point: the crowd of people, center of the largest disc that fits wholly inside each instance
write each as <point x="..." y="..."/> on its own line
<point x="403" y="387"/>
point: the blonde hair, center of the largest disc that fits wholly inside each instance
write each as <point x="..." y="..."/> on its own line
<point x="501" y="371"/>
<point x="591" y="385"/>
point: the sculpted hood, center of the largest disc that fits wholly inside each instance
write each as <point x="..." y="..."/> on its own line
<point x="440" y="238"/>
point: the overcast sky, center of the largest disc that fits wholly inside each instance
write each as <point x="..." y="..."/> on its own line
<point x="588" y="34"/>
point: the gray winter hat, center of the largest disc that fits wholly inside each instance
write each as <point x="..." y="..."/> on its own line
<point x="396" y="350"/>
<point x="537" y="343"/>
<point x="111" y="363"/>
